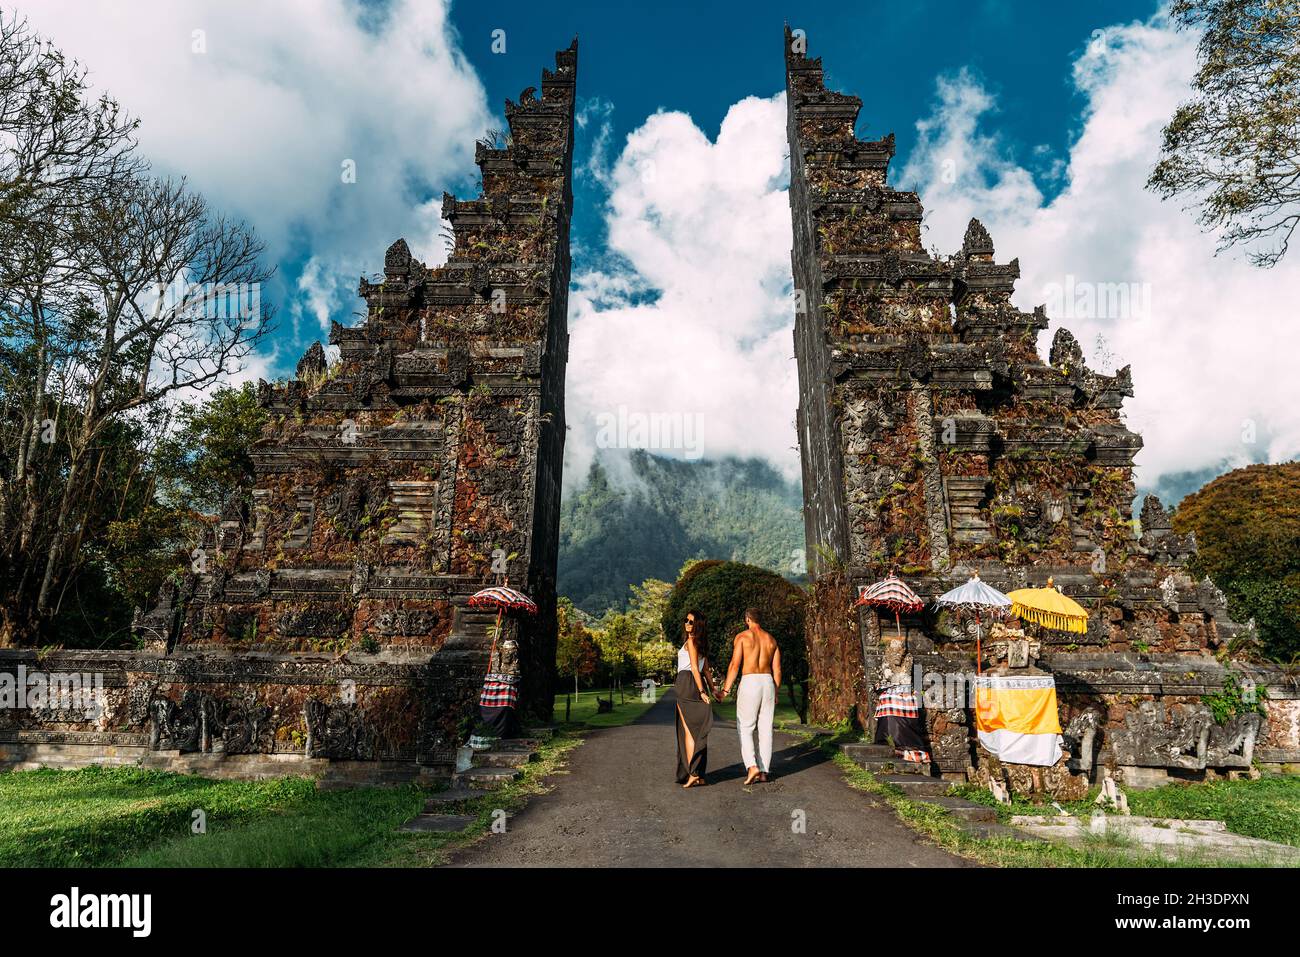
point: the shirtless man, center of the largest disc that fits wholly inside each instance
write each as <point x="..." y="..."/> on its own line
<point x="755" y="655"/>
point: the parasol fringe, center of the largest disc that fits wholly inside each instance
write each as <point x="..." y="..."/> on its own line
<point x="1050" y="619"/>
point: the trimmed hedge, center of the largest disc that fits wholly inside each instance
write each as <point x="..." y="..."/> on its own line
<point x="721" y="591"/>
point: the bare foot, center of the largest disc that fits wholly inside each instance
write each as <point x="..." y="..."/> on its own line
<point x="692" y="781"/>
<point x="762" y="777"/>
<point x="754" y="775"/>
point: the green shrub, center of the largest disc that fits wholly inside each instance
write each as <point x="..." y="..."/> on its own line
<point x="721" y="591"/>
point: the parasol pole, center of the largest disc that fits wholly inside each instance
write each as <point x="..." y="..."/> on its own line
<point x="495" y="632"/>
<point x="979" y="667"/>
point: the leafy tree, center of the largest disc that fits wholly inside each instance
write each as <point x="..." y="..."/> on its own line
<point x="646" y="609"/>
<point x="114" y="299"/>
<point x="576" y="654"/>
<point x="129" y="545"/>
<point x="721" y="591"/>
<point x="1235" y="145"/>
<point x="1247" y="526"/>
<point x="207" y="454"/>
<point x="658" y="659"/>
<point x="616" y="637"/>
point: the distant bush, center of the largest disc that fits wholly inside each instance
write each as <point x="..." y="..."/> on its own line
<point x="721" y="591"/>
<point x="1247" y="526"/>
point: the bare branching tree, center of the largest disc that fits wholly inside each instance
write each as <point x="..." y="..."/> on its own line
<point x="118" y="291"/>
<point x="1235" y="147"/>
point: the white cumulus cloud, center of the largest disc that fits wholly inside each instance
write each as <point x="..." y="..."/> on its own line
<point x="1210" y="338"/>
<point x="261" y="104"/>
<point x="690" y="319"/>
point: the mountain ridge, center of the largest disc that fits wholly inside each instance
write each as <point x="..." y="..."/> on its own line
<point x="638" y="515"/>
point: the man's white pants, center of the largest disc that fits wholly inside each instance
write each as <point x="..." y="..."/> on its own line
<point x="755" y="707"/>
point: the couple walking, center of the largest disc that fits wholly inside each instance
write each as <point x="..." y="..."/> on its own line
<point x="757" y="660"/>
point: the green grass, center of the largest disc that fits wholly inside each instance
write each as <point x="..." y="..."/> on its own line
<point x="582" y="707"/>
<point x="429" y="850"/>
<point x="1111" y="850"/>
<point x="1268" y="808"/>
<point x="127" y="817"/>
<point x="106" y="816"/>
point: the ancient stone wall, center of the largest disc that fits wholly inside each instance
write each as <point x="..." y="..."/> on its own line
<point x="936" y="442"/>
<point x="326" y="616"/>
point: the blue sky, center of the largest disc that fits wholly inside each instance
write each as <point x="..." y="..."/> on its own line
<point x="1041" y="119"/>
<point x="701" y="58"/>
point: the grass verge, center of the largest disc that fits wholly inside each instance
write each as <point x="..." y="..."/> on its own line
<point x="941" y="828"/>
<point x="396" y="849"/>
<point x="581" y="711"/>
<point x="100" y="816"/>
<point x="1268" y="808"/>
<point x="128" y="817"/>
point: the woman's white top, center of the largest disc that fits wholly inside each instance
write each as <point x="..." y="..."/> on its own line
<point x="683" y="659"/>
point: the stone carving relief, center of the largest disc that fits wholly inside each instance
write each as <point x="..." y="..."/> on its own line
<point x="337" y="731"/>
<point x="1154" y="736"/>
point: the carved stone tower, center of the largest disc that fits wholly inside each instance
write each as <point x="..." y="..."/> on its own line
<point x="420" y="466"/>
<point x="936" y="442"/>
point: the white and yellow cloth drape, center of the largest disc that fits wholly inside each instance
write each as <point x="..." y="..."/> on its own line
<point x="1016" y="718"/>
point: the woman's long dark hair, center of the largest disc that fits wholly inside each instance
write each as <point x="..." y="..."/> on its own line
<point x="701" y="634"/>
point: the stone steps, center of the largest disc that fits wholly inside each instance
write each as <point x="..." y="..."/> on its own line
<point x="985" y="830"/>
<point x="488" y="778"/>
<point x="428" y="823"/>
<point x="892" y="765"/>
<point x="501" y="764"/>
<point x="895" y="766"/>
<point x="859" y="750"/>
<point x="918" y="784"/>
<point x="881" y="759"/>
<point x="488" y="771"/>
<point x="503" y="758"/>
<point x="444" y="801"/>
<point x="967" y="811"/>
<point x="915" y="785"/>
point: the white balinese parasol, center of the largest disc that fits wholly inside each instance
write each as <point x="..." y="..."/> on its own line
<point x="977" y="597"/>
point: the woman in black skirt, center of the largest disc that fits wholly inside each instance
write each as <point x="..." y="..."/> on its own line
<point x="694" y="709"/>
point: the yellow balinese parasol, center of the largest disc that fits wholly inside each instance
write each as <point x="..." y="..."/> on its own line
<point x="1049" y="608"/>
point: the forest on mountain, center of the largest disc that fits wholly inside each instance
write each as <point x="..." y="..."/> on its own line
<point x="639" y="515"/>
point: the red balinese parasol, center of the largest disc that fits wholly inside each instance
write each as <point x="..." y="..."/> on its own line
<point x="891" y="593"/>
<point x="501" y="597"/>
